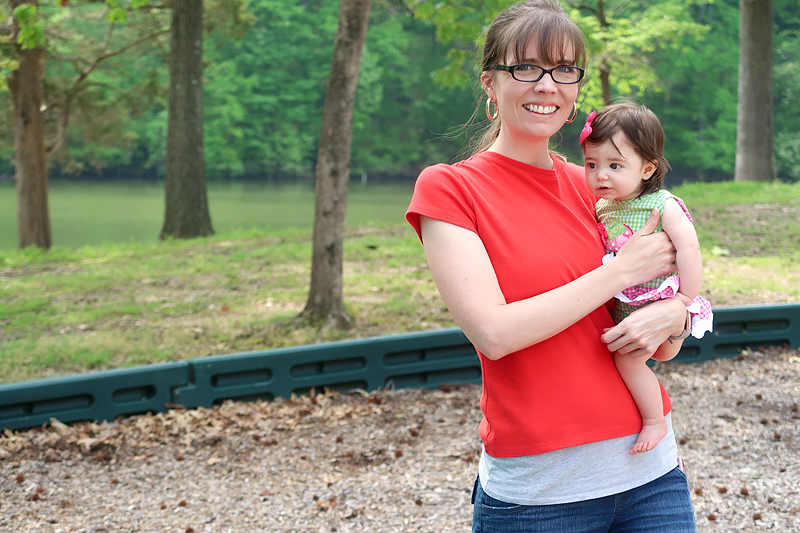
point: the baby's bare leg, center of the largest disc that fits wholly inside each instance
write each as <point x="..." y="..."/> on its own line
<point x="643" y="386"/>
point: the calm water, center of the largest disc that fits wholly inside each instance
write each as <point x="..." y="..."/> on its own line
<point x="95" y="213"/>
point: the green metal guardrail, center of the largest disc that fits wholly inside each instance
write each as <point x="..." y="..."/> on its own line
<point x="94" y="396"/>
<point x="423" y="359"/>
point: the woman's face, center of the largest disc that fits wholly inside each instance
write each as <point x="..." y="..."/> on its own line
<point x="535" y="110"/>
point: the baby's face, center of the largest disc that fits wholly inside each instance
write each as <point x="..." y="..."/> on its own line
<point x="614" y="171"/>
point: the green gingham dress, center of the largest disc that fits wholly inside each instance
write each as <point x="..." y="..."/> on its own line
<point x="617" y="221"/>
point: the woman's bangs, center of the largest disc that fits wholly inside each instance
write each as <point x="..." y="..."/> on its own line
<point x="556" y="44"/>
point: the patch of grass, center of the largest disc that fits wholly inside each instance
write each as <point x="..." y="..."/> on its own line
<point x="79" y="310"/>
<point x="745" y="219"/>
<point x="747" y="230"/>
<point x="752" y="280"/>
<point x="77" y="352"/>
<point x="737" y="192"/>
<point x="73" y="310"/>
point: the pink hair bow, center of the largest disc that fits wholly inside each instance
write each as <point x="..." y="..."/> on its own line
<point x="587" y="129"/>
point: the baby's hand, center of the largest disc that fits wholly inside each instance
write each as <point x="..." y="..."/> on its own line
<point x="683" y="298"/>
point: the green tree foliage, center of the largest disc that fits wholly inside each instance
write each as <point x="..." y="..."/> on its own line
<point x="624" y="38"/>
<point x="31" y="33"/>
<point x="264" y="92"/>
<point x="786" y="76"/>
<point x="460" y="24"/>
<point x="404" y="119"/>
<point x="697" y="101"/>
<point x="98" y="106"/>
<point x="697" y="96"/>
<point x="88" y="82"/>
<point x="264" y="95"/>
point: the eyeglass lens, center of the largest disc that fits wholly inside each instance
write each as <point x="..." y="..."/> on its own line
<point x="563" y="74"/>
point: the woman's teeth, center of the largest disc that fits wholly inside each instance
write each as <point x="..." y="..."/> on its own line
<point x="546" y="110"/>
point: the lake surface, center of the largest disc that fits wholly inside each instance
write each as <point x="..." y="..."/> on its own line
<point x="83" y="213"/>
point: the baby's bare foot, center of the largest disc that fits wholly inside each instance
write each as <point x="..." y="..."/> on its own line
<point x="652" y="433"/>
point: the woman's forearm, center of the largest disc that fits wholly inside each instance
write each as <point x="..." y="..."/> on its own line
<point x="466" y="280"/>
<point x="501" y="329"/>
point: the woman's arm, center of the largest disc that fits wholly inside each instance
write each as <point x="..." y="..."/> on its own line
<point x="468" y="284"/>
<point x="668" y="350"/>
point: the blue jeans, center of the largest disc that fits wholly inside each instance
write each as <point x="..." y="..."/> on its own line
<point x="661" y="506"/>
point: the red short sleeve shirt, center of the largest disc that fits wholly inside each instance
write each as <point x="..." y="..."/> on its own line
<point x="539" y="229"/>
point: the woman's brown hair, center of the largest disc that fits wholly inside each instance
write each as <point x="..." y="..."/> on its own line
<point x="542" y="22"/>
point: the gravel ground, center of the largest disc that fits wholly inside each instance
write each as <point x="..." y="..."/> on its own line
<point x="379" y="462"/>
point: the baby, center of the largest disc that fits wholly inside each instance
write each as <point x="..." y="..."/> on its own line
<point x="623" y="146"/>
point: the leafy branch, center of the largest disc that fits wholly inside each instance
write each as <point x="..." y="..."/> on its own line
<point x="58" y="140"/>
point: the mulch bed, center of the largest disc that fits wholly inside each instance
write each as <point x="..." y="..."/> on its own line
<point x="382" y="461"/>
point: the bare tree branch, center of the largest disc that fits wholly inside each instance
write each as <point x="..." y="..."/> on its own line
<point x="108" y="37"/>
<point x="58" y="139"/>
<point x="93" y="65"/>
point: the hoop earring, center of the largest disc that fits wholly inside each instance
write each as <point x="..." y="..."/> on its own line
<point x="574" y="113"/>
<point x="489" y="114"/>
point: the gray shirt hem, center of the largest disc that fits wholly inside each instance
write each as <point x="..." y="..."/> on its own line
<point x="577" y="473"/>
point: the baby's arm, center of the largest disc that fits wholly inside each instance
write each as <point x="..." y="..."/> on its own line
<point x="690" y="265"/>
<point x="683" y="236"/>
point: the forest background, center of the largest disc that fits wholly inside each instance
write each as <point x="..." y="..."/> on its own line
<point x="77" y="308"/>
<point x="264" y="95"/>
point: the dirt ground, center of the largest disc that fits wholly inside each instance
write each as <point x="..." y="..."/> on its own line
<point x="386" y="461"/>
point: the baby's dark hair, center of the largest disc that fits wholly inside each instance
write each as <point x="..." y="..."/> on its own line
<point x="643" y="132"/>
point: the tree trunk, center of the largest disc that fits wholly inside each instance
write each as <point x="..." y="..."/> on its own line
<point x="755" y="146"/>
<point x="333" y="167"/>
<point x="187" y="214"/>
<point x="605" y="84"/>
<point x="605" y="68"/>
<point x="25" y="83"/>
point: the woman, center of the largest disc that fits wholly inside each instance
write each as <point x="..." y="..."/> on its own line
<point x="511" y="241"/>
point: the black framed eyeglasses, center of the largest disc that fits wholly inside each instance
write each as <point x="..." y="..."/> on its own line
<point x="525" y="72"/>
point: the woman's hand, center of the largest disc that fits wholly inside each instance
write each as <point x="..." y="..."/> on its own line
<point x="465" y="277"/>
<point x="641" y="333"/>
<point x="646" y="255"/>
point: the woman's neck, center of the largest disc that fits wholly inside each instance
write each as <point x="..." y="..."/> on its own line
<point x="531" y="152"/>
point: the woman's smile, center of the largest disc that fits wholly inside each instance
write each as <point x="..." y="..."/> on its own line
<point x="545" y="110"/>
